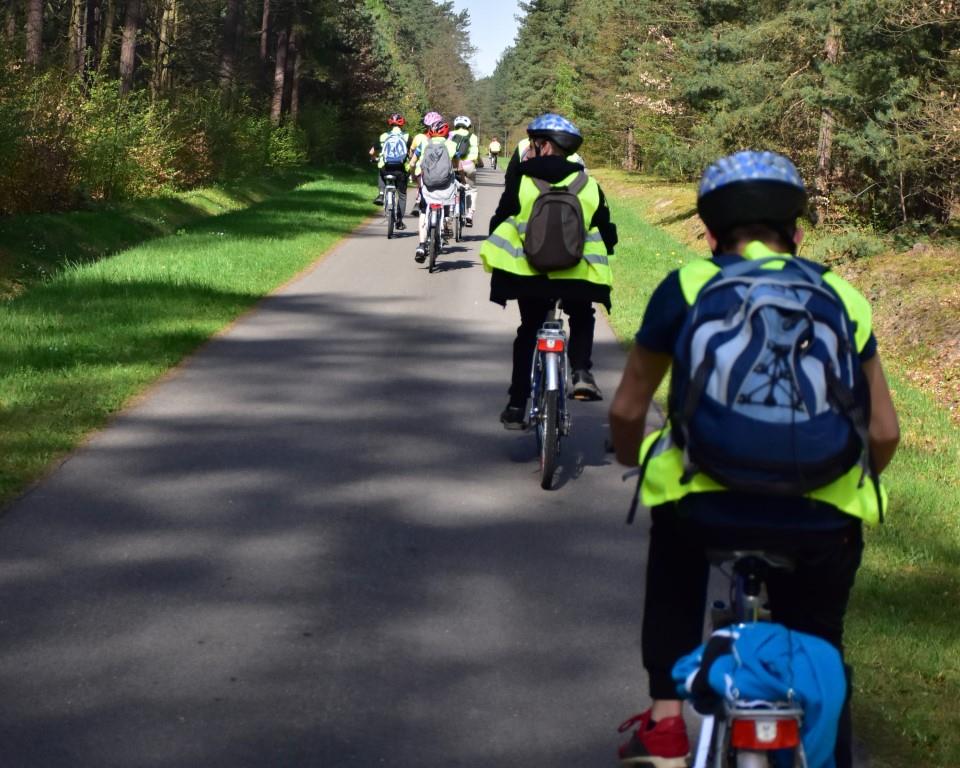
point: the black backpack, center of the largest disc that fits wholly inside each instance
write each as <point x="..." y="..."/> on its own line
<point x="463" y="145"/>
<point x="556" y="232"/>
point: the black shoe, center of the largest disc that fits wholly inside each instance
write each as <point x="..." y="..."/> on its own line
<point x="378" y="201"/>
<point x="400" y="224"/>
<point x="584" y="386"/>
<point x="421" y="255"/>
<point x="468" y="222"/>
<point x="513" y="417"/>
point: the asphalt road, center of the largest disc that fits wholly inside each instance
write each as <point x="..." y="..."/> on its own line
<point x="314" y="544"/>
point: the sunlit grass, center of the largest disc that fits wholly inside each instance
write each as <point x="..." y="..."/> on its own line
<point x="75" y="347"/>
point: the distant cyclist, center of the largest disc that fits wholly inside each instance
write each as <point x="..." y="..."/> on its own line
<point x="553" y="139"/>
<point x="494" y="149"/>
<point x="749" y="204"/>
<point x="467" y="154"/>
<point x="391" y="151"/>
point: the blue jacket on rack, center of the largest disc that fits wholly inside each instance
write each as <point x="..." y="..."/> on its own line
<point x="767" y="662"/>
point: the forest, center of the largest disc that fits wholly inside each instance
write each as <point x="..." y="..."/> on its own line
<point x="118" y="99"/>
<point x="114" y="99"/>
<point x="862" y="94"/>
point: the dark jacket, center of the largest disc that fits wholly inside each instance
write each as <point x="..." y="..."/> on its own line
<point x="505" y="286"/>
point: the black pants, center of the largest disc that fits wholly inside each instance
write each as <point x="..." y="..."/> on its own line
<point x="533" y="311"/>
<point x="400" y="182"/>
<point x="812" y="599"/>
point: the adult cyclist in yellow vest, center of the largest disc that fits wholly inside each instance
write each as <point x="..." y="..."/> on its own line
<point x="553" y="139"/>
<point x="749" y="203"/>
<point x="524" y="151"/>
<point x="468" y="153"/>
<point x="438" y="134"/>
<point x="494" y="149"/>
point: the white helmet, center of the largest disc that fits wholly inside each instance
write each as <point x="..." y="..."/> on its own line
<point x="461" y="121"/>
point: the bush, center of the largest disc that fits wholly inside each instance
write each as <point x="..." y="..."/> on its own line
<point x="288" y="146"/>
<point x="125" y="147"/>
<point x="848" y="246"/>
<point x="322" y="128"/>
<point x="35" y="163"/>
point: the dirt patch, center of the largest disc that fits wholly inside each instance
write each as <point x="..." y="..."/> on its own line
<point x="916" y="305"/>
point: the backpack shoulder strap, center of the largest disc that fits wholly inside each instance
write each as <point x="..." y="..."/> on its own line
<point x="541" y="185"/>
<point x="579" y="183"/>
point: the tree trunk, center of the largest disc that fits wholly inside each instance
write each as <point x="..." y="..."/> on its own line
<point x="92" y="37"/>
<point x="11" y="23"/>
<point x="264" y="30"/>
<point x="77" y="37"/>
<point x="821" y="184"/>
<point x="162" y="76"/>
<point x="297" y="44"/>
<point x="172" y="44"/>
<point x="279" y="75"/>
<point x="631" y="159"/>
<point x="106" y="41"/>
<point x="128" y="48"/>
<point x="34" y="30"/>
<point x="228" y="46"/>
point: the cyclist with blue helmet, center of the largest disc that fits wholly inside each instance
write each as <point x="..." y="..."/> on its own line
<point x="749" y="203"/>
<point x="553" y="139"/>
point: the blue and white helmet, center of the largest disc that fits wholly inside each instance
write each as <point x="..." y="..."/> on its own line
<point x="750" y="187"/>
<point x="558" y="129"/>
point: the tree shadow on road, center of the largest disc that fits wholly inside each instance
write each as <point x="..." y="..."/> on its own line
<point x="295" y="554"/>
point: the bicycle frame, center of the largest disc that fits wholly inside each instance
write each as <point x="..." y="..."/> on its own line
<point x="390" y="202"/>
<point x="753" y="729"/>
<point x="548" y="413"/>
<point x="548" y="370"/>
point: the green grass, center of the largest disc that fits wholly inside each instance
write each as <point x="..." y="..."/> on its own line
<point x="78" y="345"/>
<point x="902" y="636"/>
<point x="644" y="256"/>
<point x="36" y="247"/>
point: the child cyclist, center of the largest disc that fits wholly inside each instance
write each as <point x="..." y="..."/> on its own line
<point x="392" y="160"/>
<point x="434" y="172"/>
<point x="467" y="155"/>
<point x="416" y="147"/>
<point x="749" y="204"/>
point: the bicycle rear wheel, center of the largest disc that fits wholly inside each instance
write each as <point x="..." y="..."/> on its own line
<point x="391" y="211"/>
<point x="548" y="436"/>
<point x="433" y="248"/>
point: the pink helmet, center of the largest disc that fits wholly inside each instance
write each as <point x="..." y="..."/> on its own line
<point x="432" y="118"/>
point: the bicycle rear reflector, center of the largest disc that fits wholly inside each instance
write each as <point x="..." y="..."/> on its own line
<point x="550" y="345"/>
<point x="757" y="734"/>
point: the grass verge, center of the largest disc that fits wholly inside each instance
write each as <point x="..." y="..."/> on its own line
<point x="78" y="345"/>
<point x="901" y="626"/>
<point x="34" y="248"/>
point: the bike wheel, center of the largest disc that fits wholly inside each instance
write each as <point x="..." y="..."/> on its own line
<point x="433" y="247"/>
<point x="391" y="220"/>
<point x="458" y="228"/>
<point x="548" y="436"/>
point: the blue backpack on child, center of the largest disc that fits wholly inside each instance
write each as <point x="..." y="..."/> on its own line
<point x="767" y="392"/>
<point x="394" y="149"/>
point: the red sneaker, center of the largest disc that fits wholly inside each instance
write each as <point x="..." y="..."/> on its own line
<point x="663" y="746"/>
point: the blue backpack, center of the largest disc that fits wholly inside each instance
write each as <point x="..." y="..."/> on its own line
<point x="767" y="393"/>
<point x="394" y="149"/>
